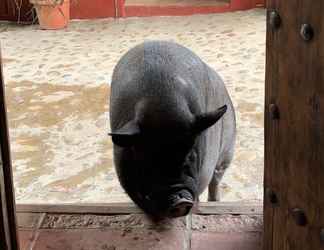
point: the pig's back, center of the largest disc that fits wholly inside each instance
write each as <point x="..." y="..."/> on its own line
<point x="148" y="70"/>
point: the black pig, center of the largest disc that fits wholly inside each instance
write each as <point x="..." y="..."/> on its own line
<point x="171" y="135"/>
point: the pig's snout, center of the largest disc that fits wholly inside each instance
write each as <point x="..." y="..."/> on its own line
<point x="182" y="208"/>
<point x="181" y="204"/>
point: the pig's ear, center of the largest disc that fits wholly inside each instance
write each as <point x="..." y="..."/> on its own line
<point x="206" y="120"/>
<point x="127" y="135"/>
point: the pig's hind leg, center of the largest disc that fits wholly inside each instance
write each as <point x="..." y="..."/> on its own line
<point x="213" y="188"/>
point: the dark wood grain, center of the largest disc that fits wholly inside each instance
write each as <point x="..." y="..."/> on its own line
<point x="271" y="125"/>
<point x="4" y="225"/>
<point x="8" y="211"/>
<point x="16" y="10"/>
<point x="294" y="143"/>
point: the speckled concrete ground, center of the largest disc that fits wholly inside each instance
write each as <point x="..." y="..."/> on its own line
<point x="57" y="95"/>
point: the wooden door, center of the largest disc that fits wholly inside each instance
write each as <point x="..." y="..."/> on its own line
<point x="5" y="10"/>
<point x="294" y="126"/>
<point x="9" y="11"/>
<point x="8" y="231"/>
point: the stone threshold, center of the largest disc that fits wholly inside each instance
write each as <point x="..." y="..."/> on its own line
<point x="220" y="226"/>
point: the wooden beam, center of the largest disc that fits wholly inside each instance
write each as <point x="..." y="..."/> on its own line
<point x="243" y="208"/>
<point x="8" y="230"/>
<point x="97" y="208"/>
<point x="130" y="208"/>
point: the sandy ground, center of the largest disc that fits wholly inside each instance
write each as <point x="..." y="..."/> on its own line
<point x="57" y="86"/>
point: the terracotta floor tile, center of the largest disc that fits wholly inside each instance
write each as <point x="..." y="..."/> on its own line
<point x="99" y="239"/>
<point x="28" y="220"/>
<point x="25" y="239"/>
<point x="226" y="241"/>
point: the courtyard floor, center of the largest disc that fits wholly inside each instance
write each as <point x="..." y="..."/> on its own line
<point x="57" y="87"/>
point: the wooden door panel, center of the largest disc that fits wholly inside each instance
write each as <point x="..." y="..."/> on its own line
<point x="294" y="126"/>
<point x="9" y="11"/>
<point x="4" y="9"/>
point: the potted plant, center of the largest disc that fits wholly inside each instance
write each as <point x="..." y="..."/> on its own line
<point x="52" y="14"/>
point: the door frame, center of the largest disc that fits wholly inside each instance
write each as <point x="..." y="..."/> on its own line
<point x="8" y="224"/>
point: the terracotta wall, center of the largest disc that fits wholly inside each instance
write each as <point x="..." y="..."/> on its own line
<point x="234" y="5"/>
<point x="246" y="4"/>
<point x="85" y="9"/>
<point x="260" y="2"/>
<point x="88" y="9"/>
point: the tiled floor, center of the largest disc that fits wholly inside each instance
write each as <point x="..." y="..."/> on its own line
<point x="136" y="232"/>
